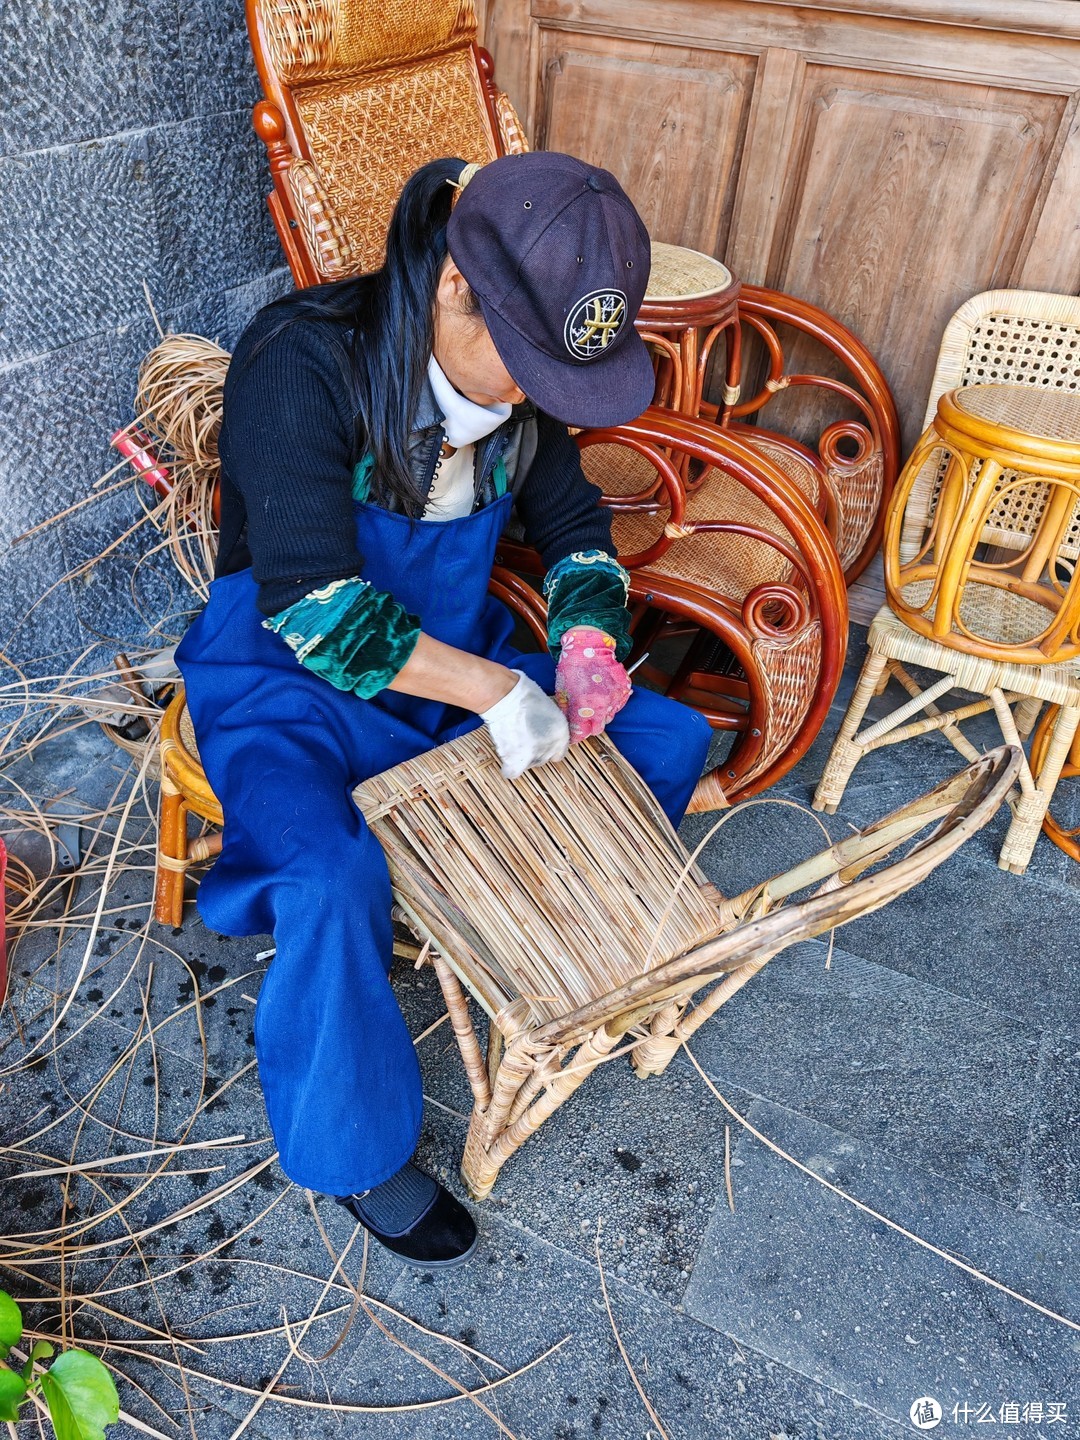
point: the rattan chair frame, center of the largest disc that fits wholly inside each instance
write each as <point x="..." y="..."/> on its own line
<point x="787" y="631"/>
<point x="463" y="894"/>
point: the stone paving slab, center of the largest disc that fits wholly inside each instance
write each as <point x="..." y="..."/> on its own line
<point x="525" y="1295"/>
<point x="830" y="1292"/>
<point x="917" y="1072"/>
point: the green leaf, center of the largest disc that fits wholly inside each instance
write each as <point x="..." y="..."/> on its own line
<point x="10" y="1323"/>
<point x="81" y="1396"/>
<point x="12" y="1391"/>
<point x="41" y="1351"/>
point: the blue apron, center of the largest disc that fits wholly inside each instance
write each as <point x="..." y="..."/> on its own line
<point x="283" y="750"/>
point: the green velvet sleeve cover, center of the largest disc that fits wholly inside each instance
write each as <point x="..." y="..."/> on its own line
<point x="351" y="634"/>
<point x="588" y="587"/>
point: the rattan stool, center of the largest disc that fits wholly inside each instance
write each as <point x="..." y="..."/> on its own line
<point x="184" y="788"/>
<point x="983" y="558"/>
<point x="691" y="300"/>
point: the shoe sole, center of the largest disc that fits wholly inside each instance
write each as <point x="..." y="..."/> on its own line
<point x="438" y="1264"/>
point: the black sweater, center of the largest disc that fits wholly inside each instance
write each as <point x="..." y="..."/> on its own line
<point x="288" y="447"/>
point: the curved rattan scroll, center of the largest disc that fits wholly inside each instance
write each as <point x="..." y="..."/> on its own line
<point x="861" y="457"/>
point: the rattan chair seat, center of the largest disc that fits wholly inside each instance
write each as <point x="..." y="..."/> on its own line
<point x="681" y="274"/>
<point x="733" y="565"/>
<point x="1060" y="684"/>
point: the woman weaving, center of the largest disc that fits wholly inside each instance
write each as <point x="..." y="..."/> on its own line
<point x="377" y="434"/>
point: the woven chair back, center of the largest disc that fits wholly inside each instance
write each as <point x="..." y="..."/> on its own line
<point x="1013" y="337"/>
<point x="370" y="92"/>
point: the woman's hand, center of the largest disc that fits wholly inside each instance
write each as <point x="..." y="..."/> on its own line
<point x="526" y="726"/>
<point x="590" y="684"/>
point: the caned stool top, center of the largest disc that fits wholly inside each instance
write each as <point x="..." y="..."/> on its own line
<point x="681" y="274"/>
<point x="983" y="533"/>
<point x="1022" y="417"/>
<point x="687" y="288"/>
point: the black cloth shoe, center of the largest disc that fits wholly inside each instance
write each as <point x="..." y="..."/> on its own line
<point x="442" y="1235"/>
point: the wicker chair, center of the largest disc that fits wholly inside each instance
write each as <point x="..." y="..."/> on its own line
<point x="979" y="554"/>
<point x="510" y="885"/>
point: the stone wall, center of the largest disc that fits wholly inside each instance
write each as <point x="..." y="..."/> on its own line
<point x="127" y="159"/>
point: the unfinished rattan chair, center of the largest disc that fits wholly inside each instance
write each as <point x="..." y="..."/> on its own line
<point x="567" y="906"/>
<point x="981" y="553"/>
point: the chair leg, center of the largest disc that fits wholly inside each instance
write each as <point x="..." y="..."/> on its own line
<point x="172" y="856"/>
<point x="1025" y="714"/>
<point x="1031" y="808"/>
<point x="481" y="1162"/>
<point x="845" y="754"/>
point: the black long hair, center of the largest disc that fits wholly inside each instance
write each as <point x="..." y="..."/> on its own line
<point x="392" y="315"/>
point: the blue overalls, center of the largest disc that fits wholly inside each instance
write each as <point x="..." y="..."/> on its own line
<point x="283" y="750"/>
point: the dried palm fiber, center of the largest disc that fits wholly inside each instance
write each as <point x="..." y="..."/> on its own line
<point x="179" y="396"/>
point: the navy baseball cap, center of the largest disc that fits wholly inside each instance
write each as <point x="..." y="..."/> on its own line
<point x="558" y="259"/>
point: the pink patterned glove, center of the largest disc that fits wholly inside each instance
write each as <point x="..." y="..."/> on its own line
<point x="590" y="684"/>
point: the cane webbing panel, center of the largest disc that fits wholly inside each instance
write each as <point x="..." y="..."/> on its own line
<point x="681" y="274"/>
<point x="555" y="888"/>
<point x="1051" y="414"/>
<point x="187" y="735"/>
<point x="368" y="137"/>
<point x="988" y="611"/>
<point x="335" y="39"/>
<point x="731" y="565"/>
<point x="858" y="490"/>
<point x="789" y="671"/>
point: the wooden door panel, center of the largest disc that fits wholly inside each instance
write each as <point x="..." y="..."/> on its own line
<point x="904" y="196"/>
<point x="667" y="120"/>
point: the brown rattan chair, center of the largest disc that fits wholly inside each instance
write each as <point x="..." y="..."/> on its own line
<point x="567" y="906"/>
<point x="982" y="544"/>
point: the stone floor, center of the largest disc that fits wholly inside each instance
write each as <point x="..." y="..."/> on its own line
<point x="932" y="1070"/>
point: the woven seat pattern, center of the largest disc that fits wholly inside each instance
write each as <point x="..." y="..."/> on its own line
<point x="731" y="564"/>
<point x="368" y="137"/>
<point x="323" y="39"/>
<point x="987" y="611"/>
<point x="538" y="918"/>
<point x="681" y="274"/>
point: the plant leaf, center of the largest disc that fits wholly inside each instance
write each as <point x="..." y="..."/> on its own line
<point x="10" y="1323"/>
<point x="12" y="1391"/>
<point x="81" y="1396"/>
<point x="41" y="1351"/>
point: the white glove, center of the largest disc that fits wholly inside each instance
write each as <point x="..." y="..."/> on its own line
<point x="527" y="728"/>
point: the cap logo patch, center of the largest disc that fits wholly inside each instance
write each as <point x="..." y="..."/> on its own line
<point x="594" y="322"/>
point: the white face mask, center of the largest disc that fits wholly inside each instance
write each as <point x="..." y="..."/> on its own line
<point x="465" y="422"/>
